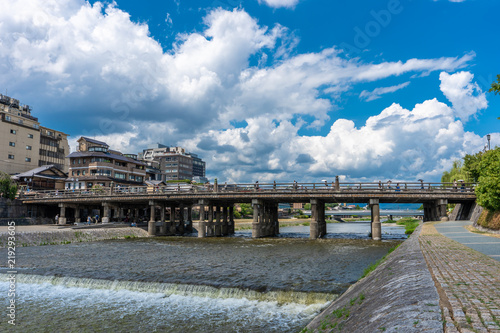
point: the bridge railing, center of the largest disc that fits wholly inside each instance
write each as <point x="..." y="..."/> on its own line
<point x="294" y="187"/>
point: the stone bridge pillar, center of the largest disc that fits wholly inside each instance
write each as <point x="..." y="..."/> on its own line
<point x="77" y="214"/>
<point x="317" y="227"/>
<point x="173" y="229"/>
<point x="230" y="228"/>
<point x="106" y="212"/>
<point x="152" y="220"/>
<point x="225" y="220"/>
<point x="376" y="226"/>
<point x="62" y="213"/>
<point x="210" y="222"/>
<point x="442" y="209"/>
<point x="200" y="226"/>
<point x="163" y="226"/>
<point x="218" y="224"/>
<point x="181" y="219"/>
<point x="189" y="219"/>
<point x="258" y="212"/>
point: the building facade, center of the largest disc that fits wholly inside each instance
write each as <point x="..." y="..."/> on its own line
<point x="174" y="163"/>
<point x="24" y="144"/>
<point x="94" y="164"/>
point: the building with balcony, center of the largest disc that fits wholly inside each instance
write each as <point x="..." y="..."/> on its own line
<point x="24" y="143"/>
<point x="95" y="164"/>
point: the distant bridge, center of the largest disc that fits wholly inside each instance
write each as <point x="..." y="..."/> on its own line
<point x="383" y="212"/>
<point x="215" y="204"/>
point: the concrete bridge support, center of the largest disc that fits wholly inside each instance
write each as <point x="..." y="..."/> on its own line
<point x="152" y="220"/>
<point x="317" y="227"/>
<point x="225" y="220"/>
<point x="189" y="219"/>
<point x="210" y="220"/>
<point x="201" y="225"/>
<point x="62" y="213"/>
<point x="218" y="223"/>
<point x="442" y="209"/>
<point x="163" y="226"/>
<point x="264" y="219"/>
<point x="106" y="213"/>
<point x="181" y="228"/>
<point x="77" y="214"/>
<point x="172" y="228"/>
<point x="230" y="226"/>
<point x="376" y="226"/>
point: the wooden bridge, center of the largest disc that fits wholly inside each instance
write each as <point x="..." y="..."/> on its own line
<point x="214" y="204"/>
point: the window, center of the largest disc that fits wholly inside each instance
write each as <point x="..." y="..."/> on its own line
<point x="131" y="177"/>
<point x="20" y="121"/>
<point x="28" y="147"/>
<point x="7" y="118"/>
<point x="79" y="161"/>
<point x="36" y="126"/>
<point x="72" y="173"/>
<point x="74" y="161"/>
<point x="12" y="131"/>
<point x="119" y="175"/>
<point x="12" y="144"/>
<point x="11" y="157"/>
<point x="27" y="159"/>
<point x="84" y="161"/>
<point x="30" y="136"/>
<point x="138" y="179"/>
<point x="78" y="173"/>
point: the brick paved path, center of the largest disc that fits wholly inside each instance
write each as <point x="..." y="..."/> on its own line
<point x="468" y="283"/>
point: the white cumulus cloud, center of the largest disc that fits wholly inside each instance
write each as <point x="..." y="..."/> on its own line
<point x="280" y="3"/>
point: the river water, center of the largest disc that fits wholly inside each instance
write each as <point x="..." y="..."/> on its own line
<point x="181" y="284"/>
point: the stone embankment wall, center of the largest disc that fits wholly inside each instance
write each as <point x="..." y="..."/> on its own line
<point x="398" y="296"/>
<point x="12" y="208"/>
<point x="67" y="236"/>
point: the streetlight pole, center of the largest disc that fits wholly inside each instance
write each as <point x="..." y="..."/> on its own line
<point x="488" y="137"/>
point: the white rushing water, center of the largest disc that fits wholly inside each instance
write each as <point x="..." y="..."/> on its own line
<point x="75" y="309"/>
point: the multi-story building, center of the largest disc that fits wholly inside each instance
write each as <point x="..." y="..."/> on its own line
<point x="174" y="162"/>
<point x="95" y="164"/>
<point x="24" y="144"/>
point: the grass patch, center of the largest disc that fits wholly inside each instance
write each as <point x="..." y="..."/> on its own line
<point x="410" y="224"/>
<point x="372" y="267"/>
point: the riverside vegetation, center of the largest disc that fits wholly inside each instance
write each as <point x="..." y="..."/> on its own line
<point x="482" y="168"/>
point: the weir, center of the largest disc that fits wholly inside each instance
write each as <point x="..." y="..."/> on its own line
<point x="216" y="204"/>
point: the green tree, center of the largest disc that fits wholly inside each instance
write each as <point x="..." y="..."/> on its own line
<point x="307" y="206"/>
<point x="457" y="172"/>
<point x="246" y="210"/>
<point x="488" y="189"/>
<point x="8" y="188"/>
<point x="472" y="166"/>
<point x="495" y="87"/>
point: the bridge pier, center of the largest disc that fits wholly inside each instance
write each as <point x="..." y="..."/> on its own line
<point x="264" y="218"/>
<point x="224" y="220"/>
<point x="189" y="219"/>
<point x="442" y="209"/>
<point x="218" y="224"/>
<point x="152" y="220"/>
<point x="210" y="220"/>
<point x="163" y="225"/>
<point x="317" y="227"/>
<point x="77" y="214"/>
<point x="181" y="219"/>
<point x="376" y="226"/>
<point x="172" y="228"/>
<point x="106" y="212"/>
<point x="62" y="213"/>
<point x="230" y="228"/>
<point x="201" y="225"/>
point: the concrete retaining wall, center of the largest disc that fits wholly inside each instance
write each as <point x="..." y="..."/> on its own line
<point x="66" y="236"/>
<point x="399" y="296"/>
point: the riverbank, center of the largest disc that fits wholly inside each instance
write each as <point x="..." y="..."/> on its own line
<point x="399" y="295"/>
<point x="38" y="235"/>
<point x="430" y="283"/>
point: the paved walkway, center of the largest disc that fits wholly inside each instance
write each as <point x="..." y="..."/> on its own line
<point x="484" y="244"/>
<point x="468" y="282"/>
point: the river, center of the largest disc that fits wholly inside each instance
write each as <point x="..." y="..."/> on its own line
<point x="182" y="284"/>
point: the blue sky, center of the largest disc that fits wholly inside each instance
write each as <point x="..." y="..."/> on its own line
<point x="264" y="89"/>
